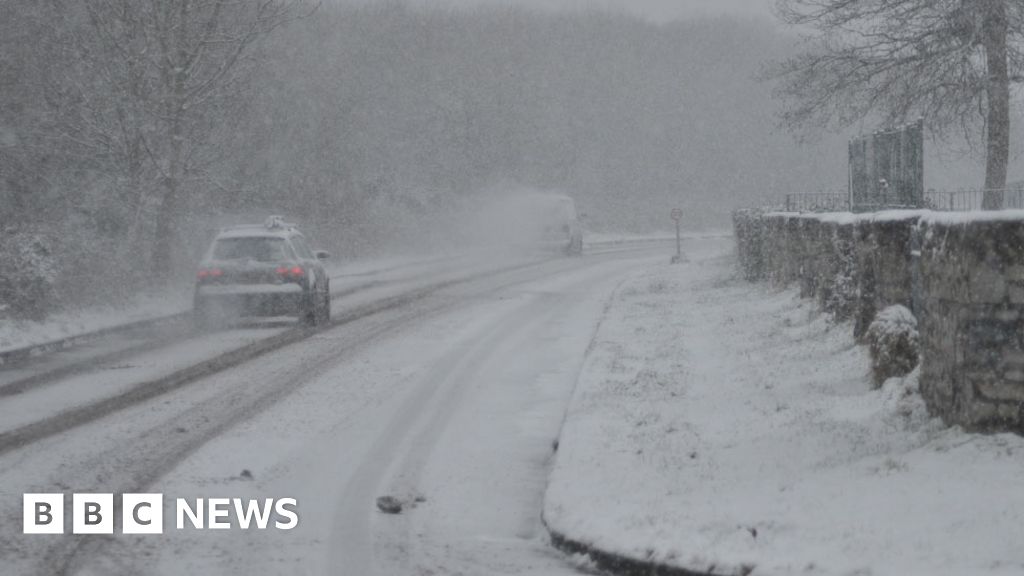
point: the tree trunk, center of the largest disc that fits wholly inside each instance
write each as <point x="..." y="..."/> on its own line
<point x="166" y="231"/>
<point x="994" y="32"/>
<point x="169" y="212"/>
<point x="174" y="76"/>
<point x="170" y="208"/>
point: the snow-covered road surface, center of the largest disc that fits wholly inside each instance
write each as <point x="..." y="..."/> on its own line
<point x="61" y="390"/>
<point x="453" y="398"/>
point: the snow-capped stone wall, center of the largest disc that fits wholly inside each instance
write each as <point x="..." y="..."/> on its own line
<point x="884" y="260"/>
<point x="749" y="228"/>
<point x="972" y="318"/>
<point x="961" y="274"/>
<point x="854" y="265"/>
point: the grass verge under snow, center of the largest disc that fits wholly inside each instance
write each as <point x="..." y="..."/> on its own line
<point x="723" y="426"/>
<point x="73" y="323"/>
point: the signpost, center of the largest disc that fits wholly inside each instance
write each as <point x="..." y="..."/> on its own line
<point x="677" y="215"/>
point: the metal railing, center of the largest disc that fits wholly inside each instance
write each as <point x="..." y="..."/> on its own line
<point x="817" y="202"/>
<point x="964" y="200"/>
<point x="1010" y="198"/>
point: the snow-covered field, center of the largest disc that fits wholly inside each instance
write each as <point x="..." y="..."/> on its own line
<point x="722" y="426"/>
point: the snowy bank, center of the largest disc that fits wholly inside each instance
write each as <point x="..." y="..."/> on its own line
<point x="16" y="334"/>
<point x="726" y="428"/>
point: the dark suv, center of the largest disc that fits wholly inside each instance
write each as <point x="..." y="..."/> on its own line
<point x="262" y="270"/>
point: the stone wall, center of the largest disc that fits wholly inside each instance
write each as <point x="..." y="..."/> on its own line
<point x="884" y="257"/>
<point x="748" y="225"/>
<point x="962" y="276"/>
<point x="853" y="265"/>
<point x="972" y="319"/>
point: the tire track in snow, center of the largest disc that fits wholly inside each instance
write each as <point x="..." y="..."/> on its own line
<point x="130" y="462"/>
<point x="71" y="418"/>
<point x="405" y="444"/>
<point x="403" y="449"/>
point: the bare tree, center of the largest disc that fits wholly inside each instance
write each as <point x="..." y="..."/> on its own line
<point x="950" y="61"/>
<point x="175" y="68"/>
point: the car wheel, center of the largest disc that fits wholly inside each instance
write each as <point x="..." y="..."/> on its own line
<point x="200" y="315"/>
<point x="309" y="311"/>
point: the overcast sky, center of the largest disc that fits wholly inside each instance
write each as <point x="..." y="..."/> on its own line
<point x="656" y="10"/>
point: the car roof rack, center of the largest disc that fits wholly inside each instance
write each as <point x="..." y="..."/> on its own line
<point x="274" y="222"/>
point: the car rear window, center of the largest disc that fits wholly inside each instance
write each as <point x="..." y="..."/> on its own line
<point x="260" y="249"/>
<point x="301" y="248"/>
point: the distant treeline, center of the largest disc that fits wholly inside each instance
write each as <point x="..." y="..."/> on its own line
<point x="128" y="128"/>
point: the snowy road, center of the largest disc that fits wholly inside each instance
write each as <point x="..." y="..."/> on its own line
<point x="449" y="401"/>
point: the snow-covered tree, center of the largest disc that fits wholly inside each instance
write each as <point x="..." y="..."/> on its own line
<point x="181" y="66"/>
<point x="950" y="61"/>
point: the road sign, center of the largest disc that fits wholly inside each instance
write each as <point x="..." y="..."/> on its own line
<point x="677" y="215"/>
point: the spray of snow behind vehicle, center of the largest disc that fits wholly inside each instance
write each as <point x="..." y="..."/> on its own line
<point x="531" y="220"/>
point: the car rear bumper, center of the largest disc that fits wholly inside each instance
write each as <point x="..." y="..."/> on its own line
<point x="241" y="300"/>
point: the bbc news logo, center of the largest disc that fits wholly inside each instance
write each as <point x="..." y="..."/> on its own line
<point x="144" y="513"/>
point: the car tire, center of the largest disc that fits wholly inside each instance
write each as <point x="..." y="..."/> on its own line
<point x="326" y="308"/>
<point x="309" y="310"/>
<point x="318" y="310"/>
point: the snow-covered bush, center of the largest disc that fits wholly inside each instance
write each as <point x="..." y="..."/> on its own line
<point x="894" y="343"/>
<point x="28" y="276"/>
<point x="841" y="300"/>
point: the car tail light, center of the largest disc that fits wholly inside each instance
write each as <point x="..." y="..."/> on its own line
<point x="293" y="273"/>
<point x="208" y="273"/>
